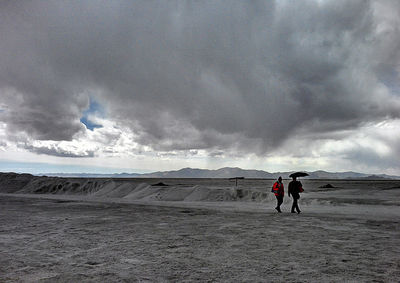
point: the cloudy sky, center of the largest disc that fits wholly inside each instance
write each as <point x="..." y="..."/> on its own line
<point x="136" y="86"/>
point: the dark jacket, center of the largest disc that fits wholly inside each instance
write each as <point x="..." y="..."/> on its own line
<point x="295" y="188"/>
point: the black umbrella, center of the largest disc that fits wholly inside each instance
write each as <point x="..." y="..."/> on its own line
<point x="298" y="174"/>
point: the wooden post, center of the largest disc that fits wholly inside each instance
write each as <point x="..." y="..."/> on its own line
<point x="236" y="179"/>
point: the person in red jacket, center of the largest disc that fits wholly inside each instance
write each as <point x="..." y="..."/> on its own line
<point x="279" y="192"/>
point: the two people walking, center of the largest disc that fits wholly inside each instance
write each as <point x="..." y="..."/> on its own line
<point x="295" y="188"/>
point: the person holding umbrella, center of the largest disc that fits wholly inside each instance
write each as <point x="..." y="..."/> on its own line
<point x="295" y="188"/>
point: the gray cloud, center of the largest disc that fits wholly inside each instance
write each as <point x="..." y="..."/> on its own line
<point x="199" y="75"/>
<point x="378" y="162"/>
<point x="58" y="151"/>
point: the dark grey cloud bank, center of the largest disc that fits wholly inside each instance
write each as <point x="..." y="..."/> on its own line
<point x="199" y="74"/>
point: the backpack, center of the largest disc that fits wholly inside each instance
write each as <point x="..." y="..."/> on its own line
<point x="300" y="187"/>
<point x="272" y="190"/>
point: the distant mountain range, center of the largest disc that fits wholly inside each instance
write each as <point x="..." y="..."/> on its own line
<point x="228" y="172"/>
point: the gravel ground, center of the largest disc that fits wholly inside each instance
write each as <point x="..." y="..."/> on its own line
<point x="50" y="240"/>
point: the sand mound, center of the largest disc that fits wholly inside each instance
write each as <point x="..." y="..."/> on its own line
<point x="13" y="182"/>
<point x="105" y="189"/>
<point x="129" y="189"/>
<point x="54" y="185"/>
<point x="327" y="186"/>
<point x="160" y="184"/>
<point x="121" y="190"/>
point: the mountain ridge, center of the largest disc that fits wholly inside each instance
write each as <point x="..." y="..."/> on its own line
<point x="229" y="172"/>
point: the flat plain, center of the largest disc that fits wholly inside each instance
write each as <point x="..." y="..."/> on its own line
<point x="347" y="233"/>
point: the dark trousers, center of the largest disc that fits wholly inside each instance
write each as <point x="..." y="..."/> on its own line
<point x="295" y="205"/>
<point x="279" y="200"/>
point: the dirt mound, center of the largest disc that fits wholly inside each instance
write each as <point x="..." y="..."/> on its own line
<point x="327" y="186"/>
<point x="160" y="184"/>
<point x="128" y="189"/>
<point x="13" y="182"/>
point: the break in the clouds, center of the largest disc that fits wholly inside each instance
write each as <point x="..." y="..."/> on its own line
<point x="218" y="76"/>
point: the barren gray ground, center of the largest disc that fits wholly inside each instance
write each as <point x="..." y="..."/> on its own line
<point x="53" y="240"/>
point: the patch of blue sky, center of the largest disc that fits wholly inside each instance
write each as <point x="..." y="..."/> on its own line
<point x="95" y="109"/>
<point x="390" y="79"/>
<point x="43" y="168"/>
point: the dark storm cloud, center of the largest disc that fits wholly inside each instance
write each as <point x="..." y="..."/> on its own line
<point x="198" y="74"/>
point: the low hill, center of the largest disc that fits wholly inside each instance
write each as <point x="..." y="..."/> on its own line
<point x="228" y="172"/>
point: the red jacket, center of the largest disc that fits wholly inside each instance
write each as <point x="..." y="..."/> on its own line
<point x="278" y="189"/>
